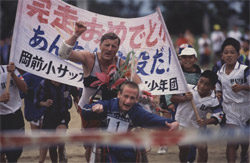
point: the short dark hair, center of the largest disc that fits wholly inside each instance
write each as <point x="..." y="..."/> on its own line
<point x="111" y="36"/>
<point x="231" y="41"/>
<point x="246" y="40"/>
<point x="212" y="76"/>
<point x="130" y="84"/>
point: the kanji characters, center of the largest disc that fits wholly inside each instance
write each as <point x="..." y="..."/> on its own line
<point x="42" y="8"/>
<point x="136" y="31"/>
<point x="67" y="17"/>
<point x="39" y="64"/>
<point x="142" y="64"/>
<point x="121" y="28"/>
<point x="93" y="29"/>
<point x="25" y="58"/>
<point x="152" y="29"/>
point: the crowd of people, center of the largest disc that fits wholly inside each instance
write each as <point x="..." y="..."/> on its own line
<point x="221" y="91"/>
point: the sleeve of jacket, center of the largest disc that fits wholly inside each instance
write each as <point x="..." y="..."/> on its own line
<point x="88" y="114"/>
<point x="40" y="94"/>
<point x="140" y="117"/>
<point x="74" y="91"/>
<point x="26" y="79"/>
<point x="217" y="111"/>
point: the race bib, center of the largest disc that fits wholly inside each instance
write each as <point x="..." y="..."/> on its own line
<point x="117" y="124"/>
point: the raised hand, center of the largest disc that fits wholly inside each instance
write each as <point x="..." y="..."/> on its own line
<point x="80" y="27"/>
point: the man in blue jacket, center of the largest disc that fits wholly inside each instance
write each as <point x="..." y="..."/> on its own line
<point x="120" y="114"/>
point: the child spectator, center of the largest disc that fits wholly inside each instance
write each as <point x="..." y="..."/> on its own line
<point x="245" y="52"/>
<point x="189" y="36"/>
<point x="235" y="33"/>
<point x="180" y="40"/>
<point x="204" y="98"/>
<point x="56" y="99"/>
<point x="204" y="44"/>
<point x="217" y="38"/>
<point x="233" y="87"/>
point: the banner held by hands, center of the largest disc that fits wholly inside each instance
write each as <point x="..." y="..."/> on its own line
<point x="42" y="28"/>
<point x="180" y="70"/>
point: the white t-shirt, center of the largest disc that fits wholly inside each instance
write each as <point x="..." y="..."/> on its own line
<point x="227" y="81"/>
<point x="185" y="114"/>
<point x="217" y="38"/>
<point x="15" y="101"/>
<point x="235" y="34"/>
<point x="202" y="42"/>
<point x="235" y="105"/>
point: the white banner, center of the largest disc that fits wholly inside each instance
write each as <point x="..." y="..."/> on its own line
<point x="42" y="25"/>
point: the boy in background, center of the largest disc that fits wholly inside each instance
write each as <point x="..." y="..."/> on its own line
<point x="56" y="98"/>
<point x="32" y="113"/>
<point x="188" y="58"/>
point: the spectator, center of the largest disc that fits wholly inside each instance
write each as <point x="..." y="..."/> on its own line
<point x="245" y="52"/>
<point x="190" y="37"/>
<point x="235" y="33"/>
<point x="180" y="40"/>
<point x="204" y="44"/>
<point x="217" y="38"/>
<point x="5" y="51"/>
<point x="246" y="34"/>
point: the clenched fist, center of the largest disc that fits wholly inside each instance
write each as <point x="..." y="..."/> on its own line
<point x="80" y="27"/>
<point x="98" y="108"/>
